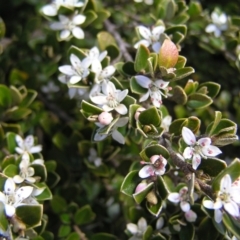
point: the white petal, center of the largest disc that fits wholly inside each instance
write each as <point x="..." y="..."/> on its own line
<point x="36" y="149"/>
<point x="75" y="61"/>
<point x="121" y="95"/>
<point x="79" y="19"/>
<point x="144" y="42"/>
<point x="211" y="151"/>
<point x="10" y="210"/>
<point x="144" y="97"/>
<point x="188" y="136"/>
<point x="29" y="141"/>
<point x="146" y="171"/>
<point x="99" y="100"/>
<point x="132" y="228"/>
<point x="106" y="108"/>
<point x="78" y="33"/>
<point x="56" y="26"/>
<point x="210" y="28"/>
<point x="38" y="161"/>
<point x="143" y="81"/>
<point x="144" y="32"/>
<point x="188" y="153"/>
<point x="196" y="161"/>
<point x="185" y="206"/>
<point x="49" y="10"/>
<point x="102" y="55"/>
<point x="9" y="186"/>
<point x="96" y="66"/>
<point x="121" y="109"/>
<point x="64" y="34"/>
<point x="121" y="122"/>
<point x="159" y="223"/>
<point x="156" y="47"/>
<point x="157" y="31"/>
<point x="63" y="19"/>
<point x="218" y="215"/>
<point x="204" y="141"/>
<point x="67" y="69"/>
<point x="190" y="216"/>
<point x="225" y="184"/>
<point x="23" y="192"/>
<point x="19" y="141"/>
<point x="232" y="208"/>
<point x="19" y="150"/>
<point x="108" y="71"/>
<point x="208" y="204"/>
<point x="174" y="197"/>
<point x="18" y="179"/>
<point x="161" y="84"/>
<point x="75" y="79"/>
<point x="116" y="135"/>
<point x="142" y="224"/>
<point x="99" y="137"/>
<point x="235" y="194"/>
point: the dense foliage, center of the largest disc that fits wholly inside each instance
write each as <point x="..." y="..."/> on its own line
<point x="119" y="119"/>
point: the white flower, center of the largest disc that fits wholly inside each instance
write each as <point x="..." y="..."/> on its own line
<point x="151" y="38"/>
<point x="148" y="2"/>
<point x="219" y="24"/>
<point x="94" y="158"/>
<point x="111" y="98"/>
<point x="156" y="166"/>
<point x="26" y="171"/>
<point x="51" y="87"/>
<point x="156" y="89"/>
<point x="52" y="8"/>
<point x="181" y="197"/>
<point x="13" y="197"/>
<point x="26" y="145"/>
<point x="228" y="197"/>
<point x="101" y="74"/>
<point x="137" y="230"/>
<point x="116" y="135"/>
<point x="94" y="54"/>
<point x="197" y="149"/>
<point x="77" y="71"/>
<point x="68" y="26"/>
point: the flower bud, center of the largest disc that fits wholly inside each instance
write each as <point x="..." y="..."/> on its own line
<point x="105" y="118"/>
<point x="139" y="110"/>
<point x="140" y="187"/>
<point x="152" y="198"/>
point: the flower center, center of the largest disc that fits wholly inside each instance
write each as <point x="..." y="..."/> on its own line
<point x="112" y="101"/>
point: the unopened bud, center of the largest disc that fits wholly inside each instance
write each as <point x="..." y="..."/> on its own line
<point x="152" y="198"/>
<point x="141" y="186"/>
<point x="105" y="118"/>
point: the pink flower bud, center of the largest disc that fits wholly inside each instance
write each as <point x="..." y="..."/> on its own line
<point x="105" y="118"/>
<point x="139" y="110"/>
<point x="141" y="186"/>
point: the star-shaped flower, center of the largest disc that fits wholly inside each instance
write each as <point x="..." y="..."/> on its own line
<point x="150" y="38"/>
<point x="13" y="197"/>
<point x="198" y="149"/>
<point x="137" y="230"/>
<point x="94" y="54"/>
<point x="228" y="198"/>
<point x="156" y="89"/>
<point x="77" y="71"/>
<point x="111" y="98"/>
<point x="68" y="26"/>
<point x="156" y="166"/>
<point x="26" y="145"/>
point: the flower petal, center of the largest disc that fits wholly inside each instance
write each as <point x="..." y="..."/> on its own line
<point x="75" y="79"/>
<point x="226" y="183"/>
<point x="9" y="186"/>
<point x="116" y="135"/>
<point x="211" y="151"/>
<point x="196" y="161"/>
<point x="121" y="109"/>
<point x="218" y="215"/>
<point x="10" y="210"/>
<point x="79" y="19"/>
<point x="208" y="204"/>
<point x="188" y="153"/>
<point x="188" y="136"/>
<point x="156" y="47"/>
<point x="56" y="26"/>
<point x="143" y="81"/>
<point x="142" y="224"/>
<point x="64" y="34"/>
<point x="232" y="208"/>
<point x="36" y="149"/>
<point x="190" y="216"/>
<point x="78" y="33"/>
<point x="144" y="97"/>
<point x="49" y="10"/>
<point x="108" y="71"/>
<point x="132" y="228"/>
<point x="144" y="32"/>
<point x="185" y="206"/>
<point x="174" y="197"/>
<point x="146" y="171"/>
<point x="143" y="42"/>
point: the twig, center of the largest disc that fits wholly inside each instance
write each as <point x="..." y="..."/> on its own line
<point x="79" y="232"/>
<point x="122" y="45"/>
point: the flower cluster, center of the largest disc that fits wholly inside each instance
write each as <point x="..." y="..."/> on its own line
<point x="183" y="198"/>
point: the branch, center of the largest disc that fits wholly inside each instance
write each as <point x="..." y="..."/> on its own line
<point x="121" y="43"/>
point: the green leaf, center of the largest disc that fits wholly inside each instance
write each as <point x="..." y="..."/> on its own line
<point x="113" y="51"/>
<point x="150" y="116"/>
<point x="148" y="233"/>
<point x="40" y="171"/>
<point x="58" y="204"/>
<point x="141" y="60"/>
<point x="130" y="183"/>
<point x="154" y="209"/>
<point x="10" y="159"/>
<point x="84" y="215"/>
<point x="191" y="87"/>
<point x="11" y="170"/>
<point x="90" y="17"/>
<point x="182" y="73"/>
<point x="105" y="39"/>
<point x="16" y="113"/>
<point x="195" y="9"/>
<point x="212" y="88"/>
<point x="178" y="28"/>
<point x="140" y="196"/>
<point x="233" y="170"/>
<point x="178" y="95"/>
<point x="60" y="140"/>
<point x="73" y="236"/>
<point x="5" y="96"/>
<point x="180" y="62"/>
<point x="135" y="87"/>
<point x="212" y="126"/>
<point x="170" y="10"/>
<point x="187" y="232"/>
<point x="101" y="170"/>
<point x="90" y="108"/>
<point x="64" y="231"/>
<point x="2" y="28"/>
<point x="29" y="98"/>
<point x="162" y="188"/>
<point x="232" y="225"/>
<point x="128" y="68"/>
<point x="207" y="229"/>
<point x="198" y="101"/>
<point x="16" y="95"/>
<point x="3" y="219"/>
<point x="154" y="149"/>
<point x="30" y="215"/>
<point x="45" y="195"/>
<point x="50" y="165"/>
